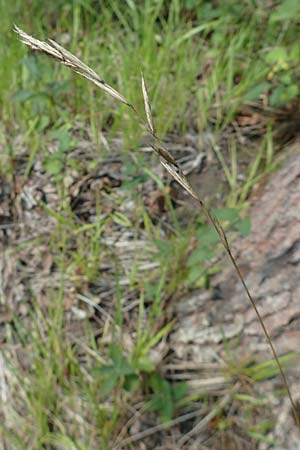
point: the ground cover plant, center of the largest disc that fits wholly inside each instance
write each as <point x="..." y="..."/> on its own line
<point x="90" y="379"/>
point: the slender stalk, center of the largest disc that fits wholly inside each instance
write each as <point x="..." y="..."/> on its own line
<point x="267" y="335"/>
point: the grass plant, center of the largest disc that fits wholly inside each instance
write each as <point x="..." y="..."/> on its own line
<point x="54" y="50"/>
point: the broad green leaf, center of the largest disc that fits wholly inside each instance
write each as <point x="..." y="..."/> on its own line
<point x="179" y="391"/>
<point x="255" y="92"/>
<point x="120" y="363"/>
<point x="277" y="54"/>
<point x="207" y="235"/>
<point x="283" y="94"/>
<point x="244" y="226"/>
<point x="63" y="137"/>
<point x="24" y="94"/>
<point x="200" y="255"/>
<point x="32" y="65"/>
<point x="195" y="275"/>
<point x="105" y="370"/>
<point x="286" y="78"/>
<point x="43" y="122"/>
<point x="156" y="382"/>
<point x="286" y="10"/>
<point x="226" y="214"/>
<point x="108" y="384"/>
<point x="116" y="354"/>
<point x="292" y="91"/>
<point x="167" y="410"/>
<point x="144" y="364"/>
<point x="294" y="54"/>
<point x="56" y="88"/>
<point x="131" y="382"/>
<point x="54" y="164"/>
<point x="162" y="399"/>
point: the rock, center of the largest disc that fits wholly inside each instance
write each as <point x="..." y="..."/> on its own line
<point x="269" y="259"/>
<point x="270" y="262"/>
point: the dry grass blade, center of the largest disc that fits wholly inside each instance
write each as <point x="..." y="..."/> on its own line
<point x="65" y="57"/>
<point x="211" y="415"/>
<point x="147" y="106"/>
<point x="150" y="431"/>
<point x="51" y="48"/>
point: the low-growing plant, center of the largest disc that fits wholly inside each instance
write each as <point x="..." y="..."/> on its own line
<point x="165" y="396"/>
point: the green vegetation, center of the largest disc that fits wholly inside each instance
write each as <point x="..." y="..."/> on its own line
<point x="85" y="382"/>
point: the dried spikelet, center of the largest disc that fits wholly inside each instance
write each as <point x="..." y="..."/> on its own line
<point x="35" y="44"/>
<point x="180" y="178"/>
<point x="147" y="106"/>
<point x="165" y="154"/>
<point x="51" y="48"/>
<point x="158" y="147"/>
